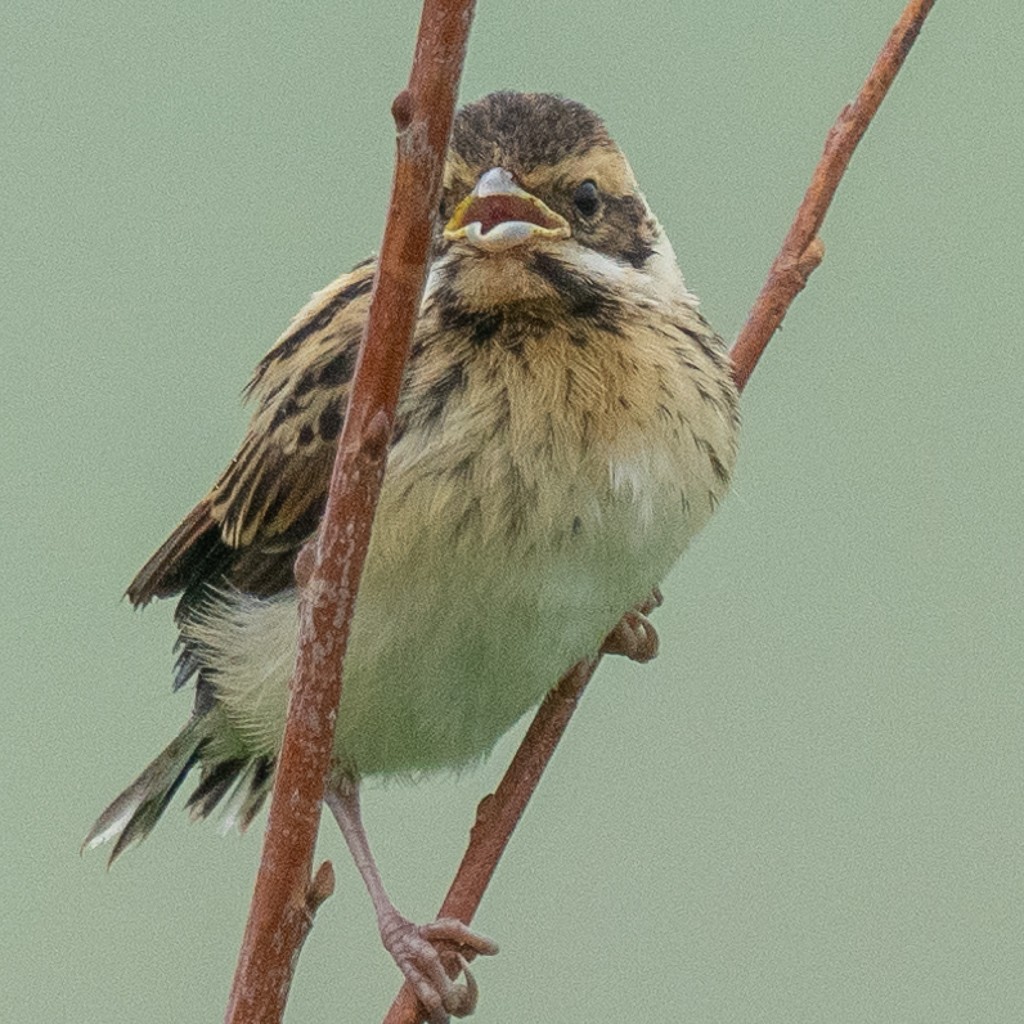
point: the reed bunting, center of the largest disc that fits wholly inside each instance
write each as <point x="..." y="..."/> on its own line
<point x="568" y="422"/>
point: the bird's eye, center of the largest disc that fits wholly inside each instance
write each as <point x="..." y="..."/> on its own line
<point x="586" y="198"/>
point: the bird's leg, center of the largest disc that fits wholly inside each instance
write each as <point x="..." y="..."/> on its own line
<point x="635" y="636"/>
<point x="413" y="947"/>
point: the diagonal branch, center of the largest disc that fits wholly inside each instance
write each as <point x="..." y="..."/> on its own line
<point x="802" y="251"/>
<point x="498" y="814"/>
<point x="329" y="569"/>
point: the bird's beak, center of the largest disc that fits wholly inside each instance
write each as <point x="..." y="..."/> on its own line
<point x="498" y="214"/>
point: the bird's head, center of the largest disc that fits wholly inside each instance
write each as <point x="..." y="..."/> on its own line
<point x="533" y="178"/>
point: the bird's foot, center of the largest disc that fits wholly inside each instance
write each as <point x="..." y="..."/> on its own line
<point x="635" y="636"/>
<point x="425" y="953"/>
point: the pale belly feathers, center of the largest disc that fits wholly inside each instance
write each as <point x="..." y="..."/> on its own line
<point x="468" y="613"/>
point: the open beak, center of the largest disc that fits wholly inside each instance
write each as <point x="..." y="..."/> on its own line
<point x="498" y="215"/>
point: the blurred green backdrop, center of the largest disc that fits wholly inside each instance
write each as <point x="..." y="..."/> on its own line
<point x="811" y="808"/>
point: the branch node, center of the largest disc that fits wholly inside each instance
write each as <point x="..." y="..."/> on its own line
<point x="811" y="257"/>
<point x="402" y="111"/>
<point x="304" y="563"/>
<point x="484" y="810"/>
<point x="320" y="888"/>
<point x="374" y="442"/>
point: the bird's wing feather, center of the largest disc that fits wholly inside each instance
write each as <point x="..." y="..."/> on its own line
<point x="247" y="531"/>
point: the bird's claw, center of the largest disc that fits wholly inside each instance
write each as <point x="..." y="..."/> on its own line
<point x="654" y="600"/>
<point x="424" y="954"/>
<point x="634" y="636"/>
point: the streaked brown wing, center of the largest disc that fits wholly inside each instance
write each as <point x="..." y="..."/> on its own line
<point x="173" y="563"/>
<point x="247" y="531"/>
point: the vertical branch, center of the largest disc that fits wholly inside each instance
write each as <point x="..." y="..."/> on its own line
<point x="329" y="569"/>
<point x="801" y="252"/>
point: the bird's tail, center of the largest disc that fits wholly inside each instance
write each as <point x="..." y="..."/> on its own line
<point x="133" y="814"/>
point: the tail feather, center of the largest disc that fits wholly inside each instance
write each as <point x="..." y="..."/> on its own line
<point x="215" y="783"/>
<point x="133" y="814"/>
<point x="247" y="798"/>
<point x="259" y="788"/>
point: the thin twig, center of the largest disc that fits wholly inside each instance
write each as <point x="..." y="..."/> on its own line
<point x="801" y="252"/>
<point x="328" y="571"/>
<point x="499" y="812"/>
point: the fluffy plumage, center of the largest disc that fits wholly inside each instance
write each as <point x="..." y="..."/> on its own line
<point x="568" y="421"/>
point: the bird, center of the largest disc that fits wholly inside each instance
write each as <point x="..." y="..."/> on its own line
<point x="567" y="422"/>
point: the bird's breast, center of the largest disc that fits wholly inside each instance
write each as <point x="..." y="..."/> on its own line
<point x="542" y="483"/>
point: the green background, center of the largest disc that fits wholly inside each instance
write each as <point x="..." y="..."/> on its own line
<point x="811" y="808"/>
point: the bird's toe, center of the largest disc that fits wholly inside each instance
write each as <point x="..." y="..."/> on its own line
<point x="430" y="955"/>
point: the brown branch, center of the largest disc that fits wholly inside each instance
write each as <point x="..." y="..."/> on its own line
<point x="801" y="252"/>
<point x="498" y="814"/>
<point x="328" y="571"/>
